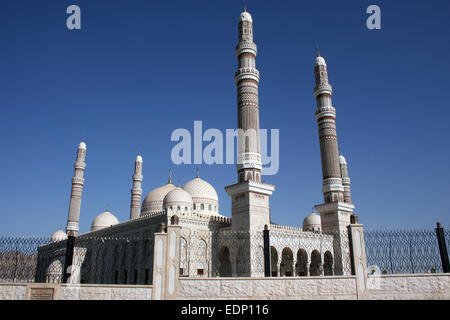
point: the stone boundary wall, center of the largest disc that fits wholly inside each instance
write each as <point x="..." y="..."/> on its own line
<point x="383" y="287"/>
<point x="281" y="288"/>
<point x="22" y="291"/>
<point x="410" y="286"/>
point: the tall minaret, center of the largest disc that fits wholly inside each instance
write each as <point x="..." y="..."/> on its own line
<point x="334" y="212"/>
<point x="77" y="190"/>
<point x="247" y="78"/>
<point x="333" y="190"/>
<point x="345" y="179"/>
<point x="250" y="210"/>
<point x="136" y="191"/>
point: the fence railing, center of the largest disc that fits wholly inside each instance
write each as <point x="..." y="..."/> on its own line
<point x="404" y="251"/>
<point x="18" y="258"/>
<point x="113" y="260"/>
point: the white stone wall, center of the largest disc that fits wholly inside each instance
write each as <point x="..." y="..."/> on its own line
<point x="403" y="287"/>
<point x="386" y="287"/>
<point x="12" y="291"/>
<point x="78" y="292"/>
<point x="269" y="288"/>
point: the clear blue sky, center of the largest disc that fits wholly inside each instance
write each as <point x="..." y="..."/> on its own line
<point x="140" y="69"/>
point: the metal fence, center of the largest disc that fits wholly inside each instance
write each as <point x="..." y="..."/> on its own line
<point x="18" y="258"/>
<point x="404" y="251"/>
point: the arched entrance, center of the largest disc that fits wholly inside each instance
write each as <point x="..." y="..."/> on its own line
<point x="224" y="262"/>
<point x="315" y="266"/>
<point x="274" y="261"/>
<point x="301" y="267"/>
<point x="328" y="264"/>
<point x="287" y="261"/>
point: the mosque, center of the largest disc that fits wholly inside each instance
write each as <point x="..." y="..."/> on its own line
<point x="212" y="244"/>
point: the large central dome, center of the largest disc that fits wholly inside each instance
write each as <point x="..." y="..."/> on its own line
<point x="153" y="202"/>
<point x="203" y="194"/>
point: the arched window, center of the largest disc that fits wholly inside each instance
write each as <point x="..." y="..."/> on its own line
<point x="209" y="207"/>
<point x="328" y="264"/>
<point x="202" y="206"/>
<point x="315" y="266"/>
<point x="201" y="257"/>
<point x="183" y="258"/>
<point x="287" y="261"/>
<point x="301" y="267"/>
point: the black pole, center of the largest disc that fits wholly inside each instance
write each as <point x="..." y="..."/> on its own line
<point x="69" y="258"/>
<point x="443" y="248"/>
<point x="266" y="251"/>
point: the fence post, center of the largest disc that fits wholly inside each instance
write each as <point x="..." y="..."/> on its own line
<point x="267" y="266"/>
<point x="159" y="264"/>
<point x="68" y="258"/>
<point x="358" y="255"/>
<point x="173" y="259"/>
<point x="443" y="248"/>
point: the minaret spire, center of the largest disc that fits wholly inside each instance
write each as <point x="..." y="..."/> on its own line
<point x="136" y="190"/>
<point x="170" y="177"/>
<point x="73" y="219"/>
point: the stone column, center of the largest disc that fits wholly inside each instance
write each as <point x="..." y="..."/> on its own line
<point x="159" y="266"/>
<point x="358" y="254"/>
<point x="172" y="261"/>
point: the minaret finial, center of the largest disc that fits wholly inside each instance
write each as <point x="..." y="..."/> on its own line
<point x="198" y="174"/>
<point x="318" y="51"/>
<point x="245" y="7"/>
<point x="170" y="176"/>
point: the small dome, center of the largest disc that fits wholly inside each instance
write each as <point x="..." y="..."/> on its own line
<point x="342" y="159"/>
<point x="178" y="197"/>
<point x="139" y="158"/>
<point x="245" y="16"/>
<point x="82" y="145"/>
<point x="104" y="220"/>
<point x="320" y="61"/>
<point x="153" y="202"/>
<point x="312" y="223"/>
<point x="203" y="193"/>
<point x="58" y="236"/>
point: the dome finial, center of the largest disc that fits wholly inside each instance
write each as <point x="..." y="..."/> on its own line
<point x="317" y="50"/>
<point x="170" y="176"/>
<point x="198" y="174"/>
<point x="245" y="7"/>
<point x="178" y="183"/>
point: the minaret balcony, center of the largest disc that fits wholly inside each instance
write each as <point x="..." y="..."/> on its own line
<point x="246" y="73"/>
<point x="323" y="88"/>
<point x="246" y="47"/>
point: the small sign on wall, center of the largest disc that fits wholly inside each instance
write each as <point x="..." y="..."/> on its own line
<point x="41" y="293"/>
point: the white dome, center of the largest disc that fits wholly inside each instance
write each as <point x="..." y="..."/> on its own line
<point x="342" y="159"/>
<point x="312" y="222"/>
<point x="153" y="202"/>
<point x="245" y="16"/>
<point x="58" y="236"/>
<point x="178" y="197"/>
<point x="320" y="61"/>
<point x="203" y="195"/>
<point x="104" y="220"/>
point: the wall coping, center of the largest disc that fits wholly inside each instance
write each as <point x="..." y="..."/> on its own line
<point x="267" y="278"/>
